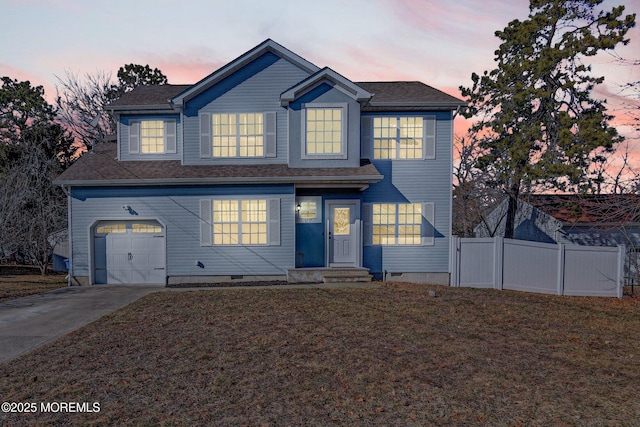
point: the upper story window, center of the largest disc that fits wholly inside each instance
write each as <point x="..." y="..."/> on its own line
<point x="152" y="136"/>
<point x="325" y="130"/>
<point x="404" y="138"/>
<point x="236" y="135"/>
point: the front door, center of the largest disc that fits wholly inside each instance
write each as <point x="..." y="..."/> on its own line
<point x="343" y="232"/>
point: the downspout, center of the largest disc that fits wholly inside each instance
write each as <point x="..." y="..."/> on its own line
<point x="69" y="235"/>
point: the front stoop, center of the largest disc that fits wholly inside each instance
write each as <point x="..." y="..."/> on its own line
<point x="328" y="275"/>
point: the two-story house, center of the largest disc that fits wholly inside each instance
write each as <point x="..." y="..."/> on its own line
<point x="271" y="168"/>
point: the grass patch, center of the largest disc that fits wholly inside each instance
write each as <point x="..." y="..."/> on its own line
<point x="386" y="356"/>
<point x="18" y="286"/>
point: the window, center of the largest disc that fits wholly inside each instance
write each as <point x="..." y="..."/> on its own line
<point x="402" y="223"/>
<point x="404" y="138"/>
<point x="409" y="224"/>
<point x="238" y="135"/>
<point x="239" y="222"/>
<point x="145" y="228"/>
<point x="325" y="130"/>
<point x="308" y="209"/>
<point x="384" y="224"/>
<point x="152" y="136"/>
<point x="111" y="228"/>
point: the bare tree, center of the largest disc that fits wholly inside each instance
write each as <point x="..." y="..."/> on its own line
<point x="474" y="190"/>
<point x="34" y="151"/>
<point x="31" y="207"/>
<point x="81" y="103"/>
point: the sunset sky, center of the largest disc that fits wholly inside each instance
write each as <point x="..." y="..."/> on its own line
<point x="439" y="42"/>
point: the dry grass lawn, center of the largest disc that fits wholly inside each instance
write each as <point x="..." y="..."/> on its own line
<point x="18" y="286"/>
<point x="387" y="356"/>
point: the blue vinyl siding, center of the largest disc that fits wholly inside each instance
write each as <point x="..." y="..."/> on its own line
<point x="254" y="88"/>
<point x="178" y="209"/>
<point x="416" y="181"/>
<point x="123" y="138"/>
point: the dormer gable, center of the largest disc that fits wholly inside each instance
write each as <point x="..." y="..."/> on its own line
<point x="268" y="46"/>
<point x="330" y="77"/>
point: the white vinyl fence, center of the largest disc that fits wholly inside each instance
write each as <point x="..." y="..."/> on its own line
<point x="537" y="267"/>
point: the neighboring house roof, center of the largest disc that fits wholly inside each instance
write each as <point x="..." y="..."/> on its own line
<point x="101" y="168"/>
<point x="589" y="208"/>
<point x="592" y="220"/>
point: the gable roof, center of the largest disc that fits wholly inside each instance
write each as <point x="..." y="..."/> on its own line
<point x="101" y="168"/>
<point x="408" y="96"/>
<point x="244" y="59"/>
<point x="588" y="208"/>
<point x="326" y="74"/>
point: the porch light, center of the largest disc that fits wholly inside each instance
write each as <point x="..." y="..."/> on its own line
<point x="298" y="207"/>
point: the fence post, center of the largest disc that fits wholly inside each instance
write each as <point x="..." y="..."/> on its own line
<point x="622" y="252"/>
<point x="561" y="256"/>
<point x="454" y="255"/>
<point x="498" y="262"/>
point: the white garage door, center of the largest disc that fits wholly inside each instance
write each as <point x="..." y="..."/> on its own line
<point x="129" y="252"/>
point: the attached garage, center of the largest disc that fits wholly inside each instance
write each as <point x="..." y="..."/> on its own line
<point x="129" y="252"/>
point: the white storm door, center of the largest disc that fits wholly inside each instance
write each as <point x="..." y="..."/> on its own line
<point x="343" y="234"/>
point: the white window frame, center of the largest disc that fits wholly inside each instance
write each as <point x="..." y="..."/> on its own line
<point x="344" y="130"/>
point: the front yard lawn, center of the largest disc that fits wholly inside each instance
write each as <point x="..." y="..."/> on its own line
<point x="17" y="286"/>
<point x="387" y="356"/>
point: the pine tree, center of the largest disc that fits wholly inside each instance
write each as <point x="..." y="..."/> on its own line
<point x="537" y="119"/>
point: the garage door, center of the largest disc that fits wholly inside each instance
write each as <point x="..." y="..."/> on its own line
<point x="129" y="252"/>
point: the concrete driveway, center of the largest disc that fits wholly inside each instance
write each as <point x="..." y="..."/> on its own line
<point x="27" y="323"/>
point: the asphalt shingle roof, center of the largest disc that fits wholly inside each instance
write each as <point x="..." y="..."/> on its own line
<point x="588" y="208"/>
<point x="406" y="96"/>
<point x="389" y="96"/>
<point x="102" y="168"/>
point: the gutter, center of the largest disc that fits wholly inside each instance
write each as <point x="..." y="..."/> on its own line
<point x="69" y="234"/>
